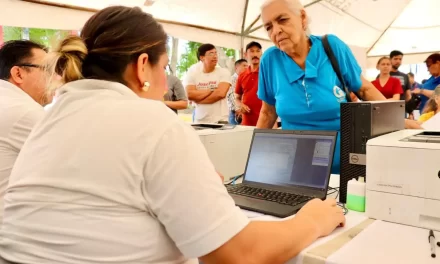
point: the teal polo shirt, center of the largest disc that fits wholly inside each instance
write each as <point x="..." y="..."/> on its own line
<point x="309" y="99"/>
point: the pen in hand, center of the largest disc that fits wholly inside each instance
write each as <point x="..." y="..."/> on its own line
<point x="431" y="239"/>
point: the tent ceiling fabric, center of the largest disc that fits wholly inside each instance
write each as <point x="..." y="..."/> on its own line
<point x="380" y="26"/>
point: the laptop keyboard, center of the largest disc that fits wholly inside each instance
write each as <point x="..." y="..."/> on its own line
<point x="268" y="195"/>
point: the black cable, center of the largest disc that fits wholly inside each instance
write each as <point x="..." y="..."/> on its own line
<point x="343" y="207"/>
<point x="334" y="190"/>
<point x="331" y="191"/>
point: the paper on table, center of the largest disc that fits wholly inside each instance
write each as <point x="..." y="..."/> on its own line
<point x="433" y="123"/>
<point x="251" y="214"/>
<point x="270" y="218"/>
<point x="384" y="242"/>
<point x="352" y="220"/>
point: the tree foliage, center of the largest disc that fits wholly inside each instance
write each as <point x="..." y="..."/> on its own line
<point x="230" y="52"/>
<point x="188" y="58"/>
<point x="11" y="33"/>
<point x="47" y="37"/>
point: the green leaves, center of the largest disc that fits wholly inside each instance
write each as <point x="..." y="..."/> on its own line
<point x="47" y="37"/>
<point x="188" y="58"/>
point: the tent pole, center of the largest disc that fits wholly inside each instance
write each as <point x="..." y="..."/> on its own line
<point x="254" y="29"/>
<point x="243" y="24"/>
<point x="246" y="4"/>
<point x="242" y="47"/>
<point x="249" y="28"/>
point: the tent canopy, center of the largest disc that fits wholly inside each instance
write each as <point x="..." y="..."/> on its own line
<point x="379" y="26"/>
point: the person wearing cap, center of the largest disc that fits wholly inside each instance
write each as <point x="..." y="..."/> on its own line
<point x="426" y="90"/>
<point x="247" y="87"/>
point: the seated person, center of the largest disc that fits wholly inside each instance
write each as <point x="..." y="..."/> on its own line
<point x="110" y="175"/>
<point x="22" y="97"/>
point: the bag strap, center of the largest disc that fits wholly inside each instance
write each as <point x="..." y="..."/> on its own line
<point x="335" y="65"/>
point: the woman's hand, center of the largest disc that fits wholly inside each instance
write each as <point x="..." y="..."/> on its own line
<point x="244" y="109"/>
<point x="412" y="124"/>
<point x="325" y="215"/>
<point x="416" y="91"/>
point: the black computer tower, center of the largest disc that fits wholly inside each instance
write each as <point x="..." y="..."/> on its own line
<point x="361" y="121"/>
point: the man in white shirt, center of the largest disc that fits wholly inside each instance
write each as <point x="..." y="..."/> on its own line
<point x="22" y="96"/>
<point x="208" y="88"/>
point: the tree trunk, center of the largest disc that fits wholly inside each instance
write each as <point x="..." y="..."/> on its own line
<point x="25" y="33"/>
<point x="223" y="60"/>
<point x="174" y="55"/>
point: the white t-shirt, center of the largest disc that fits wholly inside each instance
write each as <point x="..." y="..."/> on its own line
<point x="18" y="115"/>
<point x="210" y="113"/>
<point x="193" y="69"/>
<point x="108" y="177"/>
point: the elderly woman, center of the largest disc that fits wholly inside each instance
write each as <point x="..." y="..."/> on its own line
<point x="297" y="81"/>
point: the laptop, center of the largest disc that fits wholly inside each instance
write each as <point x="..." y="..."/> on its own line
<point x="285" y="170"/>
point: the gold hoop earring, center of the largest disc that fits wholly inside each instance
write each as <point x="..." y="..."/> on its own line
<point x="146" y="87"/>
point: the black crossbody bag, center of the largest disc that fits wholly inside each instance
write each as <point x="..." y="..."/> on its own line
<point x="335" y="65"/>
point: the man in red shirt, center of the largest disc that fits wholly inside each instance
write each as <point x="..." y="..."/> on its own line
<point x="247" y="101"/>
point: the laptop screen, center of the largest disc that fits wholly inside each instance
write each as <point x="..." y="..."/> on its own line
<point x="289" y="159"/>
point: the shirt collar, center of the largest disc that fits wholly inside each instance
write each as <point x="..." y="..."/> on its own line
<point x="294" y="72"/>
<point x="17" y="90"/>
<point x="97" y="85"/>
<point x="249" y="70"/>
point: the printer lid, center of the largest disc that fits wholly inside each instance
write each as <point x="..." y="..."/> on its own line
<point x="408" y="138"/>
<point x="424" y="137"/>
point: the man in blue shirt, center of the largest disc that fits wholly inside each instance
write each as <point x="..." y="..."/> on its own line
<point x="427" y="89"/>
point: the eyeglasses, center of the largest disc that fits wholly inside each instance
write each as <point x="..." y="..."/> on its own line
<point x="212" y="54"/>
<point x="30" y="65"/>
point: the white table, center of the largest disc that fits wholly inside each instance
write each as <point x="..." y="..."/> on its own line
<point x="365" y="241"/>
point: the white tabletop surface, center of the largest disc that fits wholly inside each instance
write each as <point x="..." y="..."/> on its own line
<point x="379" y="243"/>
<point x="384" y="242"/>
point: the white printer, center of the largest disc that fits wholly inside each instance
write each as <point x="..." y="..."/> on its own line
<point x="403" y="178"/>
<point x="228" y="149"/>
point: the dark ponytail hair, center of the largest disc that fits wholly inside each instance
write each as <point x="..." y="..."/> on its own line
<point x="110" y="40"/>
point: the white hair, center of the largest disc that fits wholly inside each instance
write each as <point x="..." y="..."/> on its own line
<point x="295" y="6"/>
